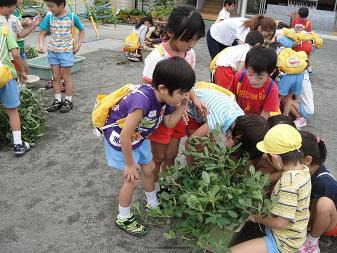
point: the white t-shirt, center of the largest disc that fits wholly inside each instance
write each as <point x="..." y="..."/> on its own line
<point x="14" y="24"/>
<point x="228" y="30"/>
<point x="223" y="14"/>
<point x="141" y="32"/>
<point x="232" y="56"/>
<point x="306" y="99"/>
<point x="156" y="55"/>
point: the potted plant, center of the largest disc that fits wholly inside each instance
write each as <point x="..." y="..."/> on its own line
<point x="209" y="201"/>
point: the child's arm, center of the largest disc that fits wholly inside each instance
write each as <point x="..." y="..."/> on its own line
<point x="264" y="114"/>
<point x="79" y="42"/>
<point x="17" y="58"/>
<point x="131" y="122"/>
<point x="172" y="119"/>
<point x="241" y="66"/>
<point x="272" y="222"/>
<point x="201" y="107"/>
<point x="42" y="35"/>
<point x="36" y="21"/>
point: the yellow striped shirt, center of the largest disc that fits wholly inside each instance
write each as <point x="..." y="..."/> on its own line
<point x="293" y="192"/>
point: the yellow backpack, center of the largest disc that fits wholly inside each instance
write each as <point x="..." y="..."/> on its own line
<point x="212" y="65"/>
<point x="106" y="102"/>
<point x="292" y="62"/>
<point x="131" y="43"/>
<point x="212" y="86"/>
<point x="5" y="73"/>
<point x="303" y="36"/>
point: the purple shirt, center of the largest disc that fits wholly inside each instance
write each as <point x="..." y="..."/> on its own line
<point x="143" y="98"/>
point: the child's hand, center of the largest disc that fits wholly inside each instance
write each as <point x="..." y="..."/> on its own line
<point x="22" y="77"/>
<point x="36" y="20"/>
<point x="41" y="50"/>
<point x="131" y="174"/>
<point x="27" y="22"/>
<point x="252" y="218"/>
<point x="76" y="48"/>
<point x="201" y="107"/>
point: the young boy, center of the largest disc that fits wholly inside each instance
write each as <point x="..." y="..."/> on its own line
<point x="286" y="228"/>
<point x="16" y="28"/>
<point x="9" y="93"/>
<point x="301" y="23"/>
<point x="134" y="118"/>
<point x="255" y="91"/>
<point x="232" y="59"/>
<point x="228" y="6"/>
<point x="61" y="50"/>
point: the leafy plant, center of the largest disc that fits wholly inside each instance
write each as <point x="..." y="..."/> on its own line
<point x="32" y="116"/>
<point x="31" y="52"/>
<point x="102" y="12"/>
<point x="212" y="198"/>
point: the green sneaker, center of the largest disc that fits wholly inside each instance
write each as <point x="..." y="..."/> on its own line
<point x="131" y="225"/>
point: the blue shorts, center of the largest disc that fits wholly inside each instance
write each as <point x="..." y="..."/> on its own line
<point x="286" y="42"/>
<point x="302" y="111"/>
<point x="64" y="59"/>
<point x="290" y="83"/>
<point x="270" y="241"/>
<point x="10" y="95"/>
<point x="115" y="158"/>
<point x="23" y="55"/>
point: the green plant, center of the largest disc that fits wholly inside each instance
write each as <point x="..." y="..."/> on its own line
<point x="212" y="198"/>
<point x="103" y="13"/>
<point x="31" y="52"/>
<point x="32" y="117"/>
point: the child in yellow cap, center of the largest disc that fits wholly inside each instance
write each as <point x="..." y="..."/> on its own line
<point x="286" y="228"/>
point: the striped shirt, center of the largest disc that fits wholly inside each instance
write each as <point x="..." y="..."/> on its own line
<point x="222" y="109"/>
<point x="293" y="192"/>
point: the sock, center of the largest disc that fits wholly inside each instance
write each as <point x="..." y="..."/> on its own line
<point x="152" y="199"/>
<point x="124" y="212"/>
<point x="156" y="187"/>
<point x="58" y="97"/>
<point x="69" y="98"/>
<point x="17" y="137"/>
<point x="314" y="240"/>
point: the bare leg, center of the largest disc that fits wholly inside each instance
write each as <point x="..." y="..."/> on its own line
<point x="257" y="245"/>
<point x="148" y="176"/>
<point x="56" y="78"/>
<point x="287" y="104"/>
<point x="171" y="152"/>
<point x="66" y="76"/>
<point x="126" y="193"/>
<point x="14" y="118"/>
<point x="158" y="152"/>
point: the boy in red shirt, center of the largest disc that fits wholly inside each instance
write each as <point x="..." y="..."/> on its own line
<point x="301" y="23"/>
<point x="255" y="91"/>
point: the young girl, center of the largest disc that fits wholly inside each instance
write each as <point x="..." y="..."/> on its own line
<point x="287" y="226"/>
<point x="323" y="206"/>
<point x="154" y="37"/>
<point x="141" y="30"/>
<point x="225" y="33"/>
<point x="184" y="28"/>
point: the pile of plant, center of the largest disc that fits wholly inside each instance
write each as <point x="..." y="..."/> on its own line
<point x="32" y="116"/>
<point x="211" y="199"/>
<point x="31" y="52"/>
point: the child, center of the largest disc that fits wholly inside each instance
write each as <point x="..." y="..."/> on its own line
<point x="9" y="93"/>
<point x="228" y="6"/>
<point x="323" y="206"/>
<point x="301" y="23"/>
<point x="141" y="30"/>
<point x="154" y="37"/>
<point x="303" y="107"/>
<point x="135" y="117"/>
<point x="255" y="91"/>
<point x="232" y="59"/>
<point x="286" y="227"/>
<point x="184" y="28"/>
<point x="61" y="50"/>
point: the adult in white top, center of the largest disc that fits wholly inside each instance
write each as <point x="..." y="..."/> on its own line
<point x="228" y="6"/>
<point x="225" y="33"/>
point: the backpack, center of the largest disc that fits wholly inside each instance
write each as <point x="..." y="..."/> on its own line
<point x="212" y="86"/>
<point x="212" y="65"/>
<point x="131" y="42"/>
<point x="303" y="36"/>
<point x="5" y="73"/>
<point x="105" y="102"/>
<point x="292" y="62"/>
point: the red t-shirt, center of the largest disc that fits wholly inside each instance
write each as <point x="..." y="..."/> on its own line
<point x="302" y="23"/>
<point x="252" y="100"/>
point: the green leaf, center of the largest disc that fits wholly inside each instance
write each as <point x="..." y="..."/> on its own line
<point x="205" y="177"/>
<point x="169" y="235"/>
<point x="252" y="169"/>
<point x="232" y="214"/>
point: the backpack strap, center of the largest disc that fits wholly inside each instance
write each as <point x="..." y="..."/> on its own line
<point x="269" y="87"/>
<point x="238" y="84"/>
<point x="160" y="49"/>
<point x="5" y="31"/>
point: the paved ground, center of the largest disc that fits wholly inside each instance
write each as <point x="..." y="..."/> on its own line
<point x="61" y="197"/>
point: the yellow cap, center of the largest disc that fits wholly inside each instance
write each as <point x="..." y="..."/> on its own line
<point x="280" y="139"/>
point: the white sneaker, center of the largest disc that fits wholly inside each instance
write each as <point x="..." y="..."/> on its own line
<point x="300" y="122"/>
<point x="309" y="69"/>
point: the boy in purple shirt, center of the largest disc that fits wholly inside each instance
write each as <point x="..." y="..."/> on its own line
<point x="130" y="123"/>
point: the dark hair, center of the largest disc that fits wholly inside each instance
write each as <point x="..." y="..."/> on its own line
<point x="185" y="22"/>
<point x="143" y="20"/>
<point x="266" y="23"/>
<point x="303" y="12"/>
<point x="275" y="45"/>
<point x="229" y="2"/>
<point x="174" y="73"/>
<point x="280" y="119"/>
<point x="249" y="130"/>
<point x="261" y="59"/>
<point x="314" y="147"/>
<point x="254" y="37"/>
<point x="7" y="3"/>
<point x="57" y="2"/>
<point x="281" y="25"/>
<point x="295" y="157"/>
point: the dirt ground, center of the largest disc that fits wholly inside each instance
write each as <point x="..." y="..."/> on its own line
<point x="61" y="196"/>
